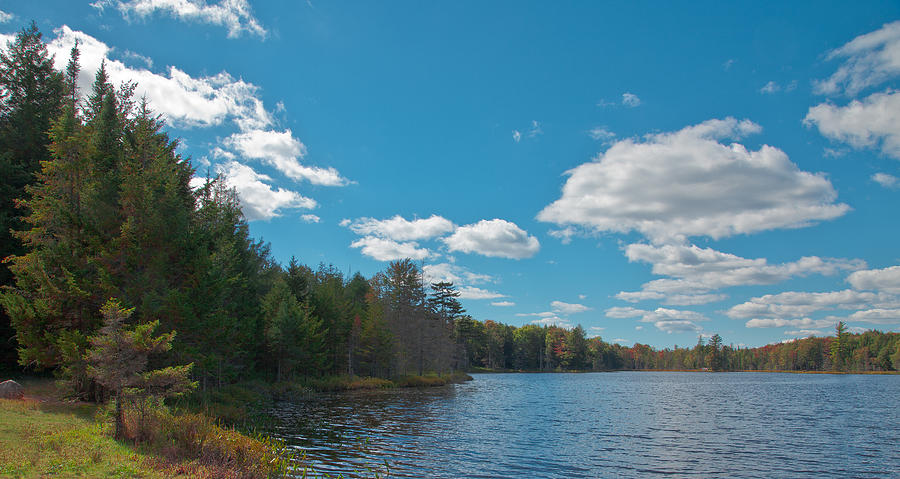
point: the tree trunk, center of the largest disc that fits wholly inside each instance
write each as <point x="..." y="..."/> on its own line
<point x="120" y="416"/>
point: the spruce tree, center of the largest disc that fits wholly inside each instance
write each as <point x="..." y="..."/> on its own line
<point x="31" y="95"/>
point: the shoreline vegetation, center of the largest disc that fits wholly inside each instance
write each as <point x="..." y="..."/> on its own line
<point x="45" y="434"/>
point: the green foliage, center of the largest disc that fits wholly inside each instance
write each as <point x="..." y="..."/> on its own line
<point x="31" y="95"/>
<point x="294" y="336"/>
<point x="839" y="347"/>
<point x="117" y="360"/>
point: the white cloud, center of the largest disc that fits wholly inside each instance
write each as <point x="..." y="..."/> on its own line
<point x="569" y="308"/>
<point x="770" y="88"/>
<point x="183" y="100"/>
<point x="564" y="235"/>
<point x="686" y="183"/>
<point x="235" y="15"/>
<point x="130" y="55"/>
<point x="458" y="275"/>
<point x="496" y="237"/>
<point x="471" y="292"/>
<point x="869" y="60"/>
<point x="875" y="316"/>
<point x="517" y="136"/>
<point x="873" y="122"/>
<point x="553" y="321"/>
<point x="677" y="326"/>
<point x="804" y="332"/>
<point x="6" y="17"/>
<point x="259" y="201"/>
<point x="545" y="314"/>
<point x="503" y="304"/>
<point x="383" y="249"/>
<point x="887" y="279"/>
<point x="281" y="150"/>
<point x="695" y="271"/>
<point x="601" y="134"/>
<point x="796" y="323"/>
<point x="885" y="180"/>
<point x="401" y="229"/>
<point x="655" y="316"/>
<point x="310" y="218"/>
<point x="620" y="340"/>
<point x="630" y="100"/>
<point x="797" y="303"/>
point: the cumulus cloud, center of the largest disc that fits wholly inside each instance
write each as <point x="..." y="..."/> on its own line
<point x="630" y="100"/>
<point x="659" y="314"/>
<point x="310" y="218"/>
<point x="885" y="180"/>
<point x="502" y="304"/>
<point x="667" y="320"/>
<point x="496" y="237"/>
<point x="553" y="321"/>
<point x="569" y="308"/>
<point x="804" y="332"/>
<point x="471" y="292"/>
<point x="676" y="185"/>
<point x="517" y="136"/>
<point x="869" y="60"/>
<point x="436" y="273"/>
<point x="183" y="100"/>
<point x="798" y="304"/>
<point x="235" y="15"/>
<point x="281" y="150"/>
<point x="694" y="272"/>
<point x="677" y="326"/>
<point x="875" y="316"/>
<point x="259" y="201"/>
<point x="873" y="122"/>
<point x="383" y="249"/>
<point x="401" y="229"/>
<point x="887" y="279"/>
<point x="796" y="323"/>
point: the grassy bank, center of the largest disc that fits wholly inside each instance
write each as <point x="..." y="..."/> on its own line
<point x="44" y="436"/>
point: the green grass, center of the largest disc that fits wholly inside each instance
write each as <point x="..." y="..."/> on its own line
<point x="40" y="439"/>
<point x="44" y="436"/>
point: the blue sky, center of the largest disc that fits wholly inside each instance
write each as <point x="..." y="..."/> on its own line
<point x="650" y="170"/>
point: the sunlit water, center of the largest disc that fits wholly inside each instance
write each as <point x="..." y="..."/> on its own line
<point x="637" y="424"/>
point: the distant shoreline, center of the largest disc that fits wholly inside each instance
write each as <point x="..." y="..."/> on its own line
<point x="511" y="371"/>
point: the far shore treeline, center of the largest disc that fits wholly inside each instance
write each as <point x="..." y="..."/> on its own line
<point x="97" y="204"/>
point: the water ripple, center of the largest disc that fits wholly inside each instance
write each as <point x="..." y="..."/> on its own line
<point x="740" y="425"/>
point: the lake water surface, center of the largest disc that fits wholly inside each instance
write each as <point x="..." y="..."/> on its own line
<point x="627" y="424"/>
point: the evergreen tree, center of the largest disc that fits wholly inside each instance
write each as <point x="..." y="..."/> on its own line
<point x="31" y="95"/>
<point x="294" y="336"/>
<point x="118" y="360"/>
<point x="839" y="346"/>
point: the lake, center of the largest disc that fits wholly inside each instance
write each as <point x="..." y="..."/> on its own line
<point x="623" y="424"/>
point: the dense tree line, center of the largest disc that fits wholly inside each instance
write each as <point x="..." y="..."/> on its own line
<point x="97" y="204"/>
<point x="493" y="345"/>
